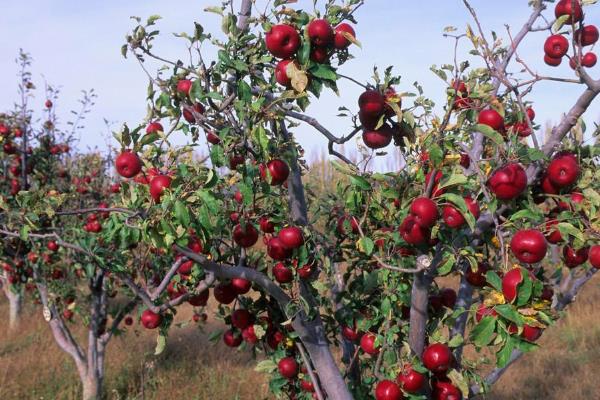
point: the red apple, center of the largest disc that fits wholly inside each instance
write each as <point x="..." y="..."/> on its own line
<point x="240" y="285"/>
<point x="320" y="32"/>
<point x="241" y="318"/>
<point x="508" y="182"/>
<point x="563" y="170"/>
<point x="278" y="170"/>
<point x="212" y="138"/>
<point x="184" y="86"/>
<point x="484" y="311"/>
<point x="288" y="367"/>
<point x="510" y="284"/>
<point x="574" y="258"/>
<point x="282" y="41"/>
<point x="199" y="300"/>
<point x="531" y="333"/>
<point x="128" y="164"/>
<point x="352" y="222"/>
<point x="425" y="212"/>
<point x="491" y="118"/>
<point x="151" y="320"/>
<point x="529" y="246"/>
<point x="320" y="55"/>
<point x="410" y="380"/>
<point x="154" y="127"/>
<point x="281" y="75"/>
<point x="245" y="236"/>
<point x="454" y="218"/>
<point x="291" y="237"/>
<point x="553" y="62"/>
<point x="556" y="46"/>
<point x="565" y="7"/>
<point x="444" y="390"/>
<point x="52" y="246"/>
<point x="232" y="339"/>
<point x="158" y="185"/>
<point x="589" y="60"/>
<point x="340" y="42"/>
<point x="282" y="273"/>
<point x="350" y="334"/>
<point x="388" y="390"/>
<point x="224" y="293"/>
<point x="377" y="139"/>
<point x="277" y="250"/>
<point x="412" y="232"/>
<point x="372" y="104"/>
<point x="553" y="235"/>
<point x="437" y="357"/>
<point x="477" y="278"/>
<point x="367" y="344"/>
<point x="188" y="115"/>
<point x="587" y="36"/>
<point x="594" y="256"/>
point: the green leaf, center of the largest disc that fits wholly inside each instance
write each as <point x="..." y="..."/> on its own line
<point x="360" y="182"/>
<point x="490" y="134"/>
<point x="365" y="245"/>
<point x="483" y="333"/>
<point x="266" y="366"/>
<point x="525" y="290"/>
<point x="181" y="213"/>
<point x="566" y="229"/>
<point x="323" y="71"/>
<point x="507" y="311"/>
<point x="503" y="355"/>
<point x="161" y="342"/>
<point x="454" y="179"/>
<point x="446" y="267"/>
<point x="494" y="280"/>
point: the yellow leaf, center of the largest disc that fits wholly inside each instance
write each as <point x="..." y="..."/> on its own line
<point x="298" y="77"/>
<point x="493" y="299"/>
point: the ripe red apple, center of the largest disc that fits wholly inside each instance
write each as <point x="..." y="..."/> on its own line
<point x="307" y="386"/>
<point x="240" y="285"/>
<point x="277" y="250"/>
<point x="574" y="258"/>
<point x="282" y="41"/>
<point x="410" y="380"/>
<point x="288" y="367"/>
<point x="231" y="338"/>
<point x="508" y="182"/>
<point x="454" y="218"/>
<point x="184" y="86"/>
<point x="529" y="246"/>
<point x="594" y="256"/>
<point x="52" y="246"/>
<point x="448" y="297"/>
<point x="281" y="75"/>
<point x="388" y="390"/>
<point x="372" y="104"/>
<point x="128" y="164"/>
<point x="377" y="139"/>
<point x="436" y="180"/>
<point x="278" y="170"/>
<point x="437" y="357"/>
<point x="249" y="335"/>
<point x="425" y="212"/>
<point x="367" y="344"/>
<point x="531" y="333"/>
<point x="266" y="225"/>
<point x="589" y="60"/>
<point x="350" y="334"/>
<point x="553" y="235"/>
<point x="158" y="185"/>
<point x="212" y="138"/>
<point x="339" y="40"/>
<point x="320" y="32"/>
<point x="241" y="318"/>
<point x="224" y="293"/>
<point x="553" y="62"/>
<point x="282" y="273"/>
<point x="151" y="320"/>
<point x="236" y="160"/>
<point x="556" y="46"/>
<point x="412" y="232"/>
<point x="587" y="36"/>
<point x="491" y="118"/>
<point x="510" y="284"/>
<point x="154" y="127"/>
<point x="291" y="237"/>
<point x="445" y="390"/>
<point x="565" y="7"/>
<point x="563" y="170"/>
<point x="245" y="236"/>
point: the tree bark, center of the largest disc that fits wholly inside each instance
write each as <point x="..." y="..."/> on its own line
<point x="419" y="301"/>
<point x="15" y="302"/>
<point x="92" y="385"/>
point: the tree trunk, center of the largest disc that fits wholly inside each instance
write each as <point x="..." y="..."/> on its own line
<point x="92" y="385"/>
<point x="418" y="311"/>
<point x="15" y="302"/>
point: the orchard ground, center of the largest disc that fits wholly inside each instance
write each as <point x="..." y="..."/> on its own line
<point x="31" y="367"/>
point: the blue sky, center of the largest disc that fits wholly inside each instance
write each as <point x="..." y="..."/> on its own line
<point x="76" y="45"/>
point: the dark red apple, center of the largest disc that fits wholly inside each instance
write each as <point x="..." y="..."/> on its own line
<point x="454" y="218"/>
<point x="587" y="36"/>
<point x="154" y="127"/>
<point x="277" y="250"/>
<point x="484" y="311"/>
<point x="553" y="62"/>
<point x="288" y="367"/>
<point x="425" y="212"/>
<point x="412" y="232"/>
<point x="367" y="344"/>
<point x="282" y="273"/>
<point x="377" y="139"/>
<point x="291" y="237"/>
<point x="352" y="222"/>
<point x="574" y="258"/>
<point x="594" y="256"/>
<point x="445" y="390"/>
<point x="477" y="278"/>
<point x="200" y="299"/>
<point x="589" y="60"/>
<point x="565" y="7"/>
<point x="245" y="236"/>
<point x="224" y="293"/>
<point x="188" y="115"/>
<point x="556" y="46"/>
<point x="158" y="185"/>
<point x="563" y="170"/>
<point x="241" y="318"/>
<point x="278" y="170"/>
<point x="241" y="285"/>
<point x="184" y="86"/>
<point x="410" y="380"/>
<point x="231" y="338"/>
<point x="320" y="55"/>
<point x="281" y="75"/>
<point x="52" y="246"/>
<point x="491" y="118"/>
<point x="531" y="333"/>
<point x="372" y="104"/>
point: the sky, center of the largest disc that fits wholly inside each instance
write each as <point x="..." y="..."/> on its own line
<point x="76" y="45"/>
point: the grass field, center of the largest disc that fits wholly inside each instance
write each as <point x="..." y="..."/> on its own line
<point x="32" y="366"/>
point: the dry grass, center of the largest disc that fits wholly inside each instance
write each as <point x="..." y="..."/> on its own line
<point x="32" y="366"/>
